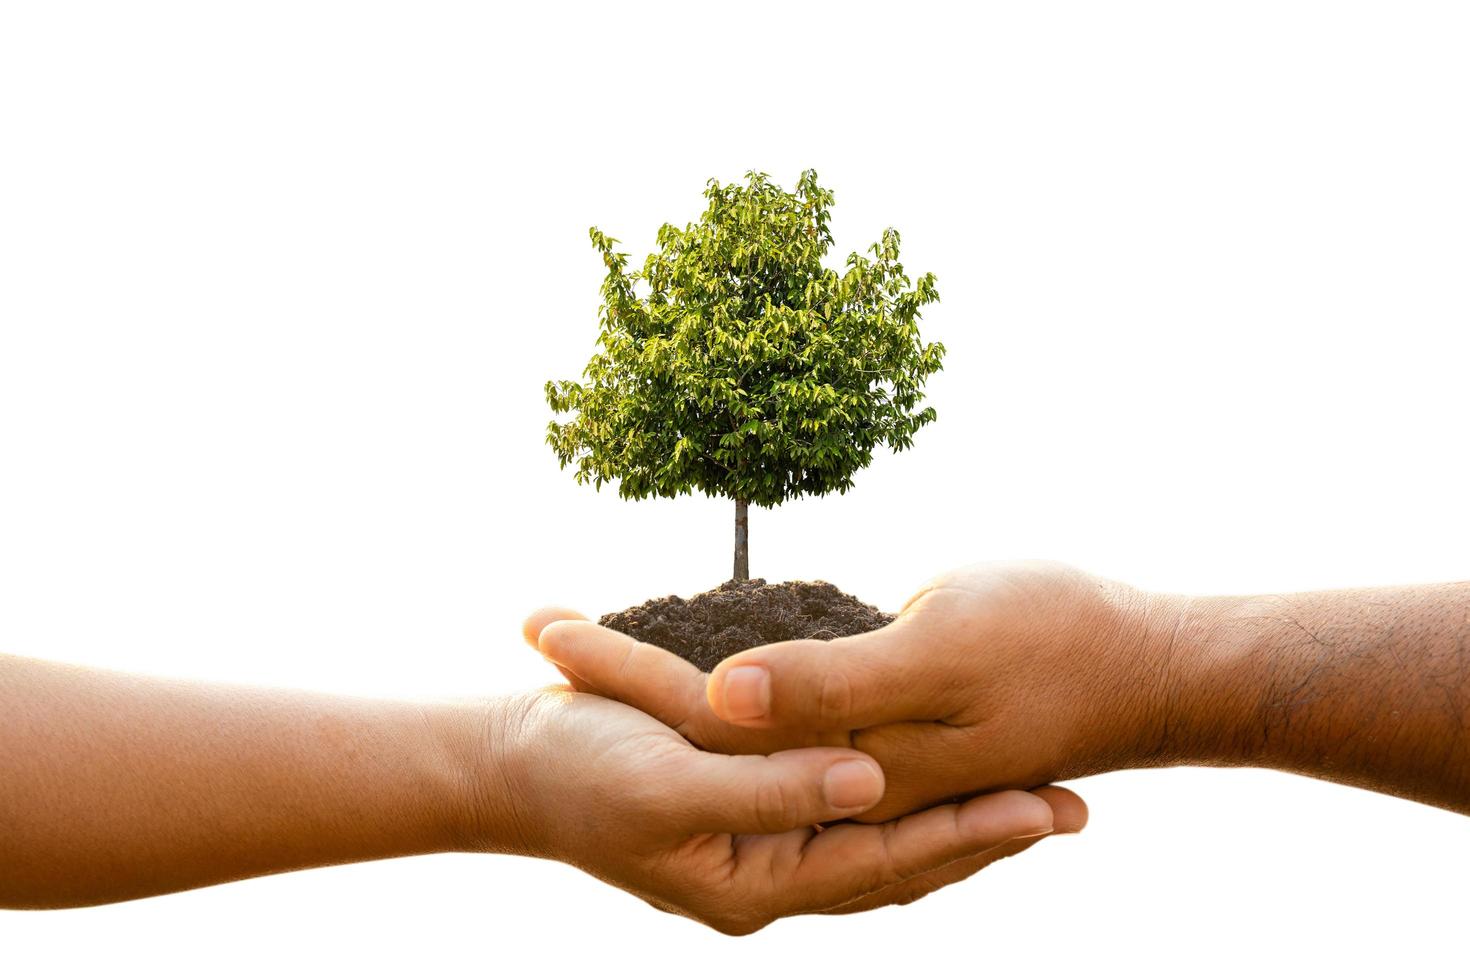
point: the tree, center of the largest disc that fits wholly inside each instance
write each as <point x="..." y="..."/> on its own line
<point x="736" y="364"/>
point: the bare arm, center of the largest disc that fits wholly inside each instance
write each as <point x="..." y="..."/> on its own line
<point x="115" y="787"/>
<point x="1368" y="687"/>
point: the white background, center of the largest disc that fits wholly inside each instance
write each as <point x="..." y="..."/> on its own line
<point x="280" y="284"/>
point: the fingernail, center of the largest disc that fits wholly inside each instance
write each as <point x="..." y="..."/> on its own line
<point x="1034" y="833"/>
<point x="747" y="693"/>
<point x="852" y="783"/>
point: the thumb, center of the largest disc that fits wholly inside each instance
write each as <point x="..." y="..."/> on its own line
<point x="757" y="794"/>
<point x="544" y="617"/>
<point x="898" y="673"/>
<point x="536" y="623"/>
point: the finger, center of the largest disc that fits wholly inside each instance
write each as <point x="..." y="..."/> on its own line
<point x="907" y="892"/>
<point x="647" y="677"/>
<point x="950" y="770"/>
<point x="579" y="684"/>
<point x="544" y="617"/>
<point x="902" y="672"/>
<point x="1069" y="811"/>
<point x="654" y="681"/>
<point x="755" y="794"/>
<point x="852" y="860"/>
<point x="1069" y="816"/>
<point x="538" y="621"/>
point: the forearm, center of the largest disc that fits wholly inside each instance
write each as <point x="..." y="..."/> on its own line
<point x="115" y="787"/>
<point x="1366" y="687"/>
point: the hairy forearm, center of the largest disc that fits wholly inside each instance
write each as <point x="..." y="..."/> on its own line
<point x="115" y="787"/>
<point x="1366" y="687"/>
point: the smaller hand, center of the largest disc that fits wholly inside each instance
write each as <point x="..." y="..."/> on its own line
<point x="731" y="841"/>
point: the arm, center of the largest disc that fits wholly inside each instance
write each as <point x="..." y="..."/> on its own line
<point x="1018" y="675"/>
<point x="1367" y="687"/>
<point x="115" y="787"/>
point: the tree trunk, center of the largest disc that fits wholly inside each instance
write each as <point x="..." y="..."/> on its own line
<point x="742" y="542"/>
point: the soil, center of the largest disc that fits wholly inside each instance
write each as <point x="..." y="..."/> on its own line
<point x="741" y="614"/>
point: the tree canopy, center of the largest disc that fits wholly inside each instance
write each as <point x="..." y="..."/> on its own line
<point x="735" y="363"/>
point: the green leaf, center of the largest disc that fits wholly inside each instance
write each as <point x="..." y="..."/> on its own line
<point x="749" y="368"/>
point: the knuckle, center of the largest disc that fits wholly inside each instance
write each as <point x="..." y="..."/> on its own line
<point x="737" y="919"/>
<point x="626" y="660"/>
<point x="735" y="925"/>
<point x="913" y="893"/>
<point x="775" y="809"/>
<point x="888" y="871"/>
<point x="661" y="906"/>
<point x="834" y="698"/>
<point x="648" y="801"/>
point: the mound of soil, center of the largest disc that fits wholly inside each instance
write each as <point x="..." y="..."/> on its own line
<point x="738" y="615"/>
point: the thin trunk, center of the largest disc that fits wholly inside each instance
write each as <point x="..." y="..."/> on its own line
<point x="742" y="542"/>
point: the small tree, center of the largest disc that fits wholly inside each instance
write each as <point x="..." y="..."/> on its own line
<point x="736" y="364"/>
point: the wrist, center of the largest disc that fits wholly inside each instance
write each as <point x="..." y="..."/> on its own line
<point x="1207" y="711"/>
<point x="1133" y="684"/>
<point x="487" y="741"/>
<point x="1167" y="684"/>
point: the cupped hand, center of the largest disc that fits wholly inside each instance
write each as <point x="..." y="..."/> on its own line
<point x="732" y="841"/>
<point x="992" y="677"/>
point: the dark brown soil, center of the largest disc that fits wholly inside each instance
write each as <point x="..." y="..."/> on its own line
<point x="738" y="615"/>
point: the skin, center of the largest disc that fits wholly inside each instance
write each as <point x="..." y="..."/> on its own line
<point x="1016" y="675"/>
<point x="115" y="787"/>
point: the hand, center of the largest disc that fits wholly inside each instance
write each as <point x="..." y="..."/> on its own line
<point x="993" y="677"/>
<point x="731" y="841"/>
